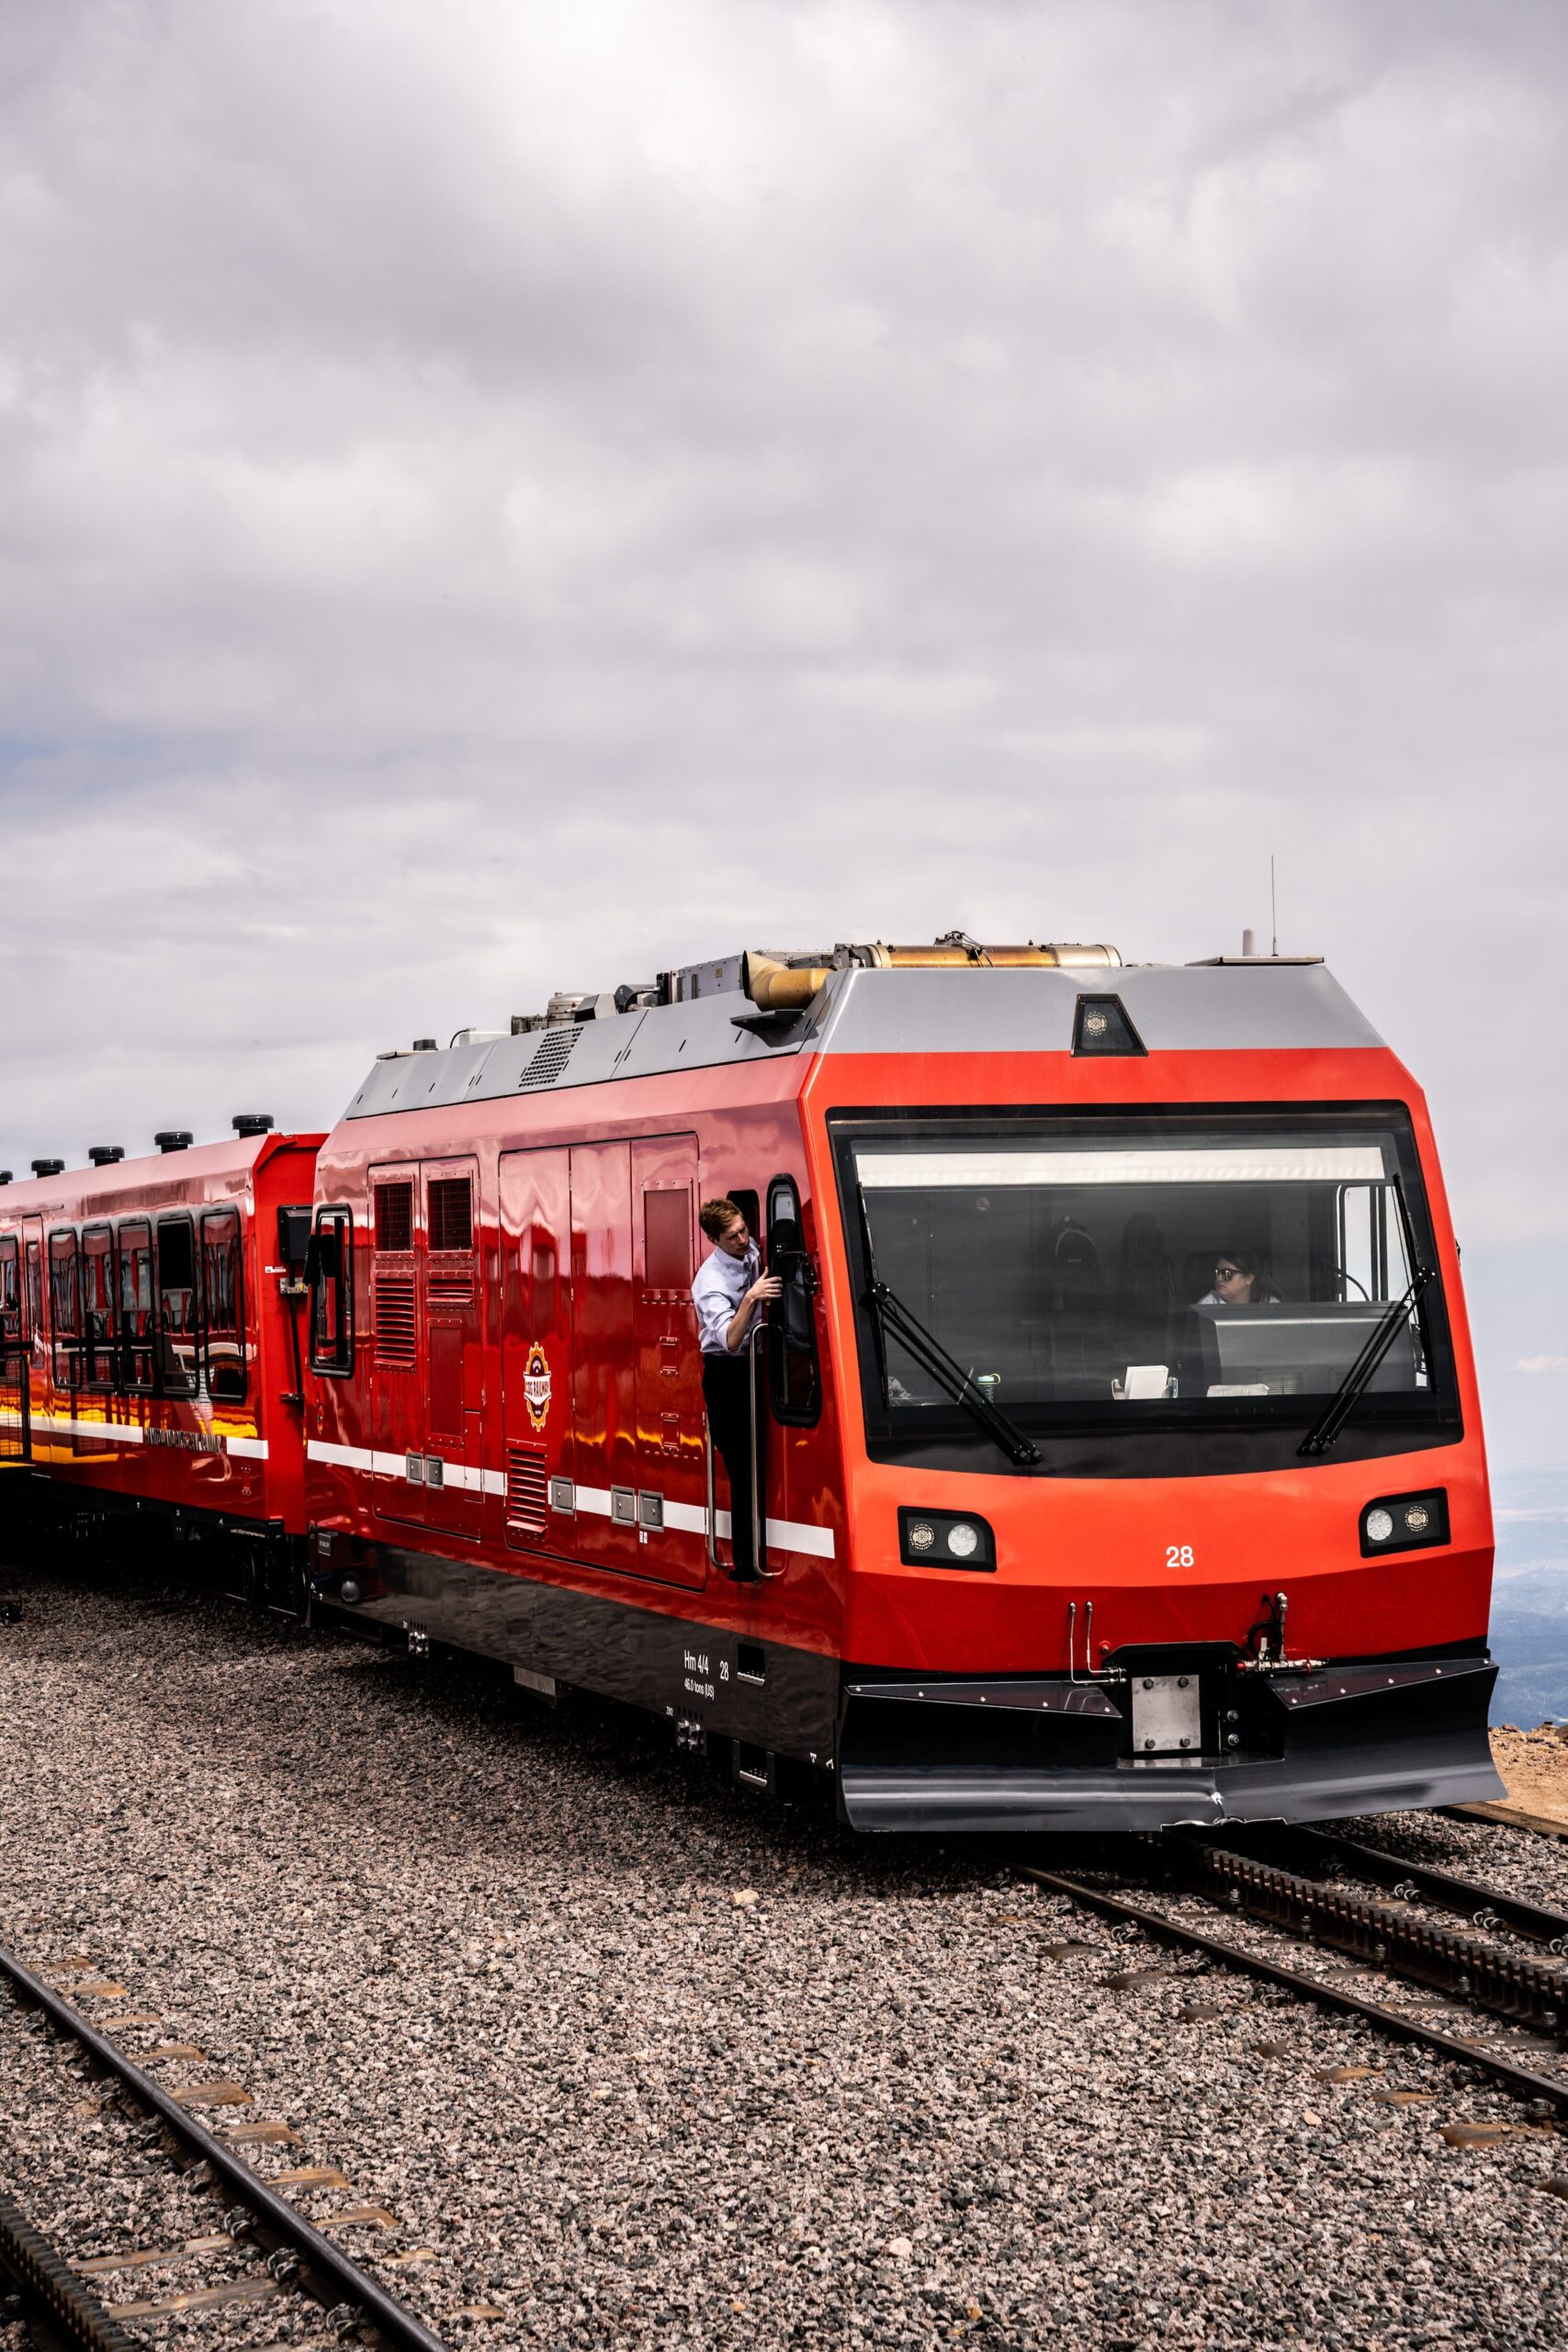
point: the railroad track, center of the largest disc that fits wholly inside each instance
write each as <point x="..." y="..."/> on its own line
<point x="281" y="2252"/>
<point x="1495" y="1968"/>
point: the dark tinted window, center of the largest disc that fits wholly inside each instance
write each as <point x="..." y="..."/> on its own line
<point x="794" y="1382"/>
<point x="178" y="1307"/>
<point x="98" y="1306"/>
<point x="394" y="1217"/>
<point x="451" y="1213"/>
<point x="332" y="1293"/>
<point x="225" y="1304"/>
<point x="136" y="1321"/>
<point x="65" y="1307"/>
<point x="10" y="1302"/>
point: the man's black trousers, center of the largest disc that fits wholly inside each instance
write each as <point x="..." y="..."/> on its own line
<point x="726" y="1393"/>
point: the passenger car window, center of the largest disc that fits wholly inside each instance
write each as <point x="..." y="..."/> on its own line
<point x="178" y="1307"/>
<point x="97" y="1306"/>
<point x="225" y="1304"/>
<point x="65" y="1307"/>
<point x="135" y="1254"/>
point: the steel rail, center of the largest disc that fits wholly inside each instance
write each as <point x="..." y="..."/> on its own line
<point x="1509" y="1984"/>
<point x="71" y="2310"/>
<point x="1541" y="2091"/>
<point x="1486" y="1906"/>
<point x="397" y="2327"/>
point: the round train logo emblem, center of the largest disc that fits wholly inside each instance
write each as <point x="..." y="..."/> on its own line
<point x="537" y="1385"/>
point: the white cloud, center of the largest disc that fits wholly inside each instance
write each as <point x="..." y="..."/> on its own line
<point x="492" y="498"/>
<point x="1541" y="1363"/>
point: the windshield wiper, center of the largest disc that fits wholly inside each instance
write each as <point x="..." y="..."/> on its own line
<point x="1332" y="1420"/>
<point x="897" y="1323"/>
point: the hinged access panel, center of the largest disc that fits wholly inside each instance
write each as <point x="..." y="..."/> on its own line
<point x="535" y="1348"/>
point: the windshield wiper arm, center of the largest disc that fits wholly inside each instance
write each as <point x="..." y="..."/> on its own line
<point x="1332" y="1420"/>
<point x="949" y="1374"/>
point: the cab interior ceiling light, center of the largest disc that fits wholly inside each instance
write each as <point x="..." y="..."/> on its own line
<point x="1102" y="1024"/>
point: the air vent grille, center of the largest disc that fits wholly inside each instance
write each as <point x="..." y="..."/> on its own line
<point x="395" y="1322"/>
<point x="394" y="1217"/>
<point x="527" y="1490"/>
<point x="450" y="1290"/>
<point x="451" y="1213"/>
<point x="550" y="1057"/>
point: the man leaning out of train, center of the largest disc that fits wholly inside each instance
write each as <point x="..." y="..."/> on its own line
<point x="729" y="1289"/>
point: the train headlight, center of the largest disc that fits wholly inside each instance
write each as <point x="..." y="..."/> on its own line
<point x="945" y="1539"/>
<point x="1404" y="1522"/>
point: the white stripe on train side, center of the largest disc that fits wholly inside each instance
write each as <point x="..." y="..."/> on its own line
<point x="245" y="1448"/>
<point x="685" y="1519"/>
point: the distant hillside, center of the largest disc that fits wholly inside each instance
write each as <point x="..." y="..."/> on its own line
<point x="1529" y="1598"/>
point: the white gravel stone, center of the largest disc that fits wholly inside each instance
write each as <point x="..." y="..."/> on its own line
<point x="491" y="1963"/>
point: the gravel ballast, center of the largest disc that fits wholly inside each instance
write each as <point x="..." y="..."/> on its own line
<point x="634" y="2062"/>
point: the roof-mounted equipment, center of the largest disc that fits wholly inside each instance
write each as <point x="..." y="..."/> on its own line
<point x="47" y="1167"/>
<point x="105" y="1155"/>
<point x="788" y="983"/>
<point x="251" y="1123"/>
<point x="173" y="1139"/>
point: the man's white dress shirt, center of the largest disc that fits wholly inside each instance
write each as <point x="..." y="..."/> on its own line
<point x="722" y="1282"/>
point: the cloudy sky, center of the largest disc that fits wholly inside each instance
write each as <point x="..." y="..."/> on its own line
<point x="505" y="496"/>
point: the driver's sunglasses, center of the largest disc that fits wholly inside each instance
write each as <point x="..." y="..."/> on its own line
<point x="1223" y="1274"/>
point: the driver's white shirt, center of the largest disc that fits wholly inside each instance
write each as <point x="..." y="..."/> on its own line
<point x="722" y="1282"/>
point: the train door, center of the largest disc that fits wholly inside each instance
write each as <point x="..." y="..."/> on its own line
<point x="670" y="1467"/>
<point x="426" y="1373"/>
<point x="604" y="1368"/>
<point x="536" y="1342"/>
<point x="397" y="1395"/>
<point x="14" y="1417"/>
<point x="454" y="1348"/>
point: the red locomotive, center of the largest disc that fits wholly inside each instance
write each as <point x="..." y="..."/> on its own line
<point x="1123" y="1451"/>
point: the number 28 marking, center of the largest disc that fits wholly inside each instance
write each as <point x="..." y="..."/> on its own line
<point x="1178" y="1555"/>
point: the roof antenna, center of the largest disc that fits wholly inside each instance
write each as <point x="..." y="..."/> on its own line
<point x="1273" y="907"/>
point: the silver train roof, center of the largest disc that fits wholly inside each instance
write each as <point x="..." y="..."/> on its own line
<point x="1221" y="1007"/>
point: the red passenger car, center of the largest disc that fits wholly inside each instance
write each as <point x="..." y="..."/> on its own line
<point x="151" y="1342"/>
<point x="1062" y="1529"/>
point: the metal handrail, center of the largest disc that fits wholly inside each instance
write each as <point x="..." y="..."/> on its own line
<point x="758" y="1525"/>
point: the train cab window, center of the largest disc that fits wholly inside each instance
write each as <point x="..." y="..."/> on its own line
<point x="35" y="1299"/>
<point x="64" y="1299"/>
<point x="179" y="1313"/>
<point x="1139" y="1275"/>
<point x="136" y="1318"/>
<point x="794" y="1379"/>
<point x="99" y="1317"/>
<point x="10" y="1303"/>
<point x="331" y="1292"/>
<point x="225" y="1304"/>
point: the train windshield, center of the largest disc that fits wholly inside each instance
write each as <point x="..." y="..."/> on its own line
<point x="1132" y="1273"/>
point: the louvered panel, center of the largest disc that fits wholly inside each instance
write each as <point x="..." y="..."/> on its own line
<point x="395" y="1321"/>
<point x="527" y="1490"/>
<point x="550" y="1057"/>
<point x="450" y="1290"/>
